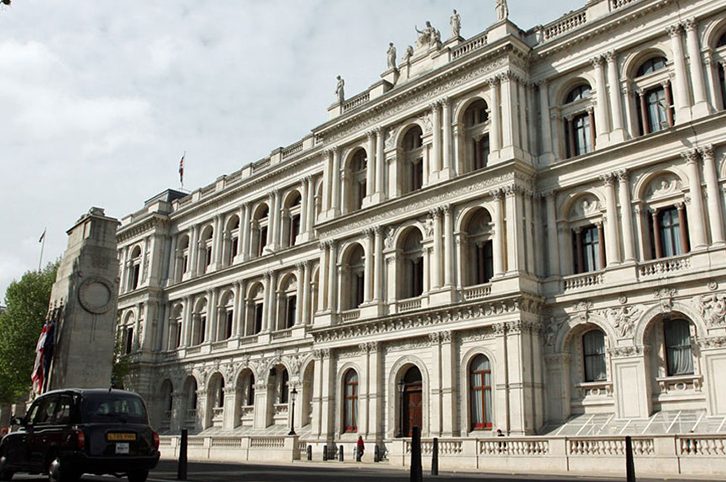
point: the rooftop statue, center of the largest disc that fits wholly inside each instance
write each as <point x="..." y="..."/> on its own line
<point x="502" y="10"/>
<point x="391" y="56"/>
<point x="455" y="22"/>
<point x="407" y="55"/>
<point x="340" y="90"/>
<point x="428" y="37"/>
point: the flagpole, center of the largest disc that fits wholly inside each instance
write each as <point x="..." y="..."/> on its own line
<point x="42" y="246"/>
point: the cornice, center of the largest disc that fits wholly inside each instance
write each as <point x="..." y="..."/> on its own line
<point x="147" y="223"/>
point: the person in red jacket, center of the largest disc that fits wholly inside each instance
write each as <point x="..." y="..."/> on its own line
<point x="360" y="448"/>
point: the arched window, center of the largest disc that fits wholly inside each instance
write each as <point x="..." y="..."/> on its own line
<point x="249" y="391"/>
<point x="479" y="263"/>
<point x="412" y="265"/>
<point x="579" y="121"/>
<point x="259" y="230"/>
<point x="651" y="65"/>
<point x="593" y="350"/>
<point x="413" y="159"/>
<point x="669" y="237"/>
<point x="175" y="327"/>
<point x="255" y="309"/>
<point x="199" y="323"/>
<point x="354" y="270"/>
<point x="231" y="241"/>
<point x="480" y="393"/>
<point x="655" y="99"/>
<point x="135" y="275"/>
<point x="219" y="394"/>
<point x="182" y="257"/>
<point x="288" y="302"/>
<point x="356" y="180"/>
<point x="291" y="219"/>
<point x="225" y="324"/>
<point x="350" y="406"/>
<point x="284" y="386"/>
<point x="679" y="356"/>
<point x="476" y="126"/>
<point x="205" y="249"/>
<point x="589" y="254"/>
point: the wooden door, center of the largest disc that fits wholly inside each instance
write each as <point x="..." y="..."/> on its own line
<point x="413" y="409"/>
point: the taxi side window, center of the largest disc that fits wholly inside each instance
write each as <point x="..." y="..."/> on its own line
<point x="46" y="411"/>
<point x="63" y="410"/>
<point x="32" y="413"/>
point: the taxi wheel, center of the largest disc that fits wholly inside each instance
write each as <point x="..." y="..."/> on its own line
<point x="138" y="476"/>
<point x="5" y="474"/>
<point x="57" y="473"/>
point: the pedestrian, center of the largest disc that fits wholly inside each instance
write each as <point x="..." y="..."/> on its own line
<point x="361" y="447"/>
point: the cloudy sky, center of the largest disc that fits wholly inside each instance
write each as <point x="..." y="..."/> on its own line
<point x="99" y="98"/>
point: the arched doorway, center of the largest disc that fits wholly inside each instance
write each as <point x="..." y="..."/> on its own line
<point x="411" y="386"/>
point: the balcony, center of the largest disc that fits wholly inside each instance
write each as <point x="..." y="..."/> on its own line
<point x="477" y="292"/>
<point x="350" y="315"/>
<point x="665" y="267"/>
<point x="582" y="280"/>
<point x="411" y="304"/>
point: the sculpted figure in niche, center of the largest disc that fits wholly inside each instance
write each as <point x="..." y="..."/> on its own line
<point x="455" y="22"/>
<point x="391" y="56"/>
<point x="340" y="90"/>
<point x="502" y="10"/>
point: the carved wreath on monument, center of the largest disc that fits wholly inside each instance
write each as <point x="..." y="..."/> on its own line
<point x="95" y="295"/>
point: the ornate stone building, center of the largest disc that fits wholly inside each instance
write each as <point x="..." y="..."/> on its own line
<point x="523" y="231"/>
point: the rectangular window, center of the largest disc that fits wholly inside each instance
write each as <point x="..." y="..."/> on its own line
<point x="361" y="193"/>
<point x="230" y="322"/>
<point x="417" y="174"/>
<point x="679" y="356"/>
<point x="590" y="249"/>
<point x="358" y="295"/>
<point x="185" y="263"/>
<point x="262" y="242"/>
<point x="129" y="341"/>
<point x="135" y="276"/>
<point x="233" y="249"/>
<point x="417" y="273"/>
<point x="583" y="134"/>
<point x="294" y="228"/>
<point x="178" y="334"/>
<point x="484" y="262"/>
<point x="258" y="317"/>
<point x="291" y="311"/>
<point x="481" y="152"/>
<point x="208" y="256"/>
<point x="655" y="101"/>
<point x="202" y="328"/>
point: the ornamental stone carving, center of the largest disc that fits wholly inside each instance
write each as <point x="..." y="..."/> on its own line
<point x="712" y="307"/>
<point x="552" y="328"/>
<point x="623" y="319"/>
<point x="666" y="295"/>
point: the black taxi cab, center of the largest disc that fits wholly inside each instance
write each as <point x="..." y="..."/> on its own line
<point x="68" y="433"/>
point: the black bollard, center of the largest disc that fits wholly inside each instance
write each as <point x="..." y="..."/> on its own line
<point x="376" y="453"/>
<point x="181" y="471"/>
<point x="435" y="457"/>
<point x="310" y="453"/>
<point x="325" y="453"/>
<point x="340" y="454"/>
<point x="416" y="470"/>
<point x="629" y="462"/>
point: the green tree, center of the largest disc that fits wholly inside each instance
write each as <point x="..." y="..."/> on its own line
<point x="26" y="301"/>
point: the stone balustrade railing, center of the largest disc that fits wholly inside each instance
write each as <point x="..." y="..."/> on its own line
<point x="409" y="304"/>
<point x="477" y="292"/>
<point x="292" y="150"/>
<point x="564" y="25"/>
<point x="356" y="101"/>
<point x="616" y="4"/>
<point x="476" y="43"/>
<point x="664" y="267"/>
<point x="585" y="280"/>
<point x="687" y="455"/>
<point x="350" y="315"/>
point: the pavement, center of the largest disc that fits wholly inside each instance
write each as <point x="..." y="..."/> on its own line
<point x="331" y="471"/>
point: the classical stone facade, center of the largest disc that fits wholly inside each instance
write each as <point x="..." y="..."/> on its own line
<point x="520" y="231"/>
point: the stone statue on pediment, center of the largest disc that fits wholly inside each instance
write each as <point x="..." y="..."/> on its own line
<point x="340" y="90"/>
<point x="407" y="55"/>
<point x="455" y="22"/>
<point x="391" y="56"/>
<point x="426" y="37"/>
<point x="502" y="10"/>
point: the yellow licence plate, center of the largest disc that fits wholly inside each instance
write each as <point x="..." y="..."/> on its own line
<point x="121" y="437"/>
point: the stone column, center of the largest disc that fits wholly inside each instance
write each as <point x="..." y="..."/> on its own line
<point x="193" y="250"/>
<point x="713" y="195"/>
<point x="626" y="215"/>
<point x="545" y="126"/>
<point x="612" y="244"/>
<point x="499" y="237"/>
<point x="304" y="188"/>
<point x="714" y="91"/>
<point x="696" y="221"/>
<point x="506" y="102"/>
<point x="332" y="276"/>
<point x="378" y="265"/>
<point x="300" y="293"/>
<point x="435" y="215"/>
<point x="495" y="127"/>
<point x="240" y="309"/>
<point x="323" y="277"/>
<point x="335" y="180"/>
<point x="436" y="147"/>
<point x="218" y="241"/>
<point x="380" y="165"/>
<point x="307" y="294"/>
<point x="267" y="304"/>
<point x="682" y="103"/>
<point x="528" y="234"/>
<point x="448" y="246"/>
<point x="616" y="112"/>
<point x="371" y="165"/>
<point x="327" y="186"/>
<point x="601" y="107"/>
<point x="447" y="169"/>
<point x="700" y="100"/>
<point x="523" y="125"/>
<point x="369" y="265"/>
<point x="515" y="243"/>
<point x="243" y="247"/>
<point x="631" y="118"/>
<point x="310" y="208"/>
<point x="552" y="249"/>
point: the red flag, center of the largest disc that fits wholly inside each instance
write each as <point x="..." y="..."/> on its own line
<point x="38" y="372"/>
<point x="181" y="169"/>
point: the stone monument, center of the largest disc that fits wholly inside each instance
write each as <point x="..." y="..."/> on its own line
<point x="86" y="286"/>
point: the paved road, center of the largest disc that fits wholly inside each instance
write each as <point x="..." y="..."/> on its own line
<point x="332" y="471"/>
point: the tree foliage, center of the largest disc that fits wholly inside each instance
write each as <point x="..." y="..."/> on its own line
<point x="26" y="301"/>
